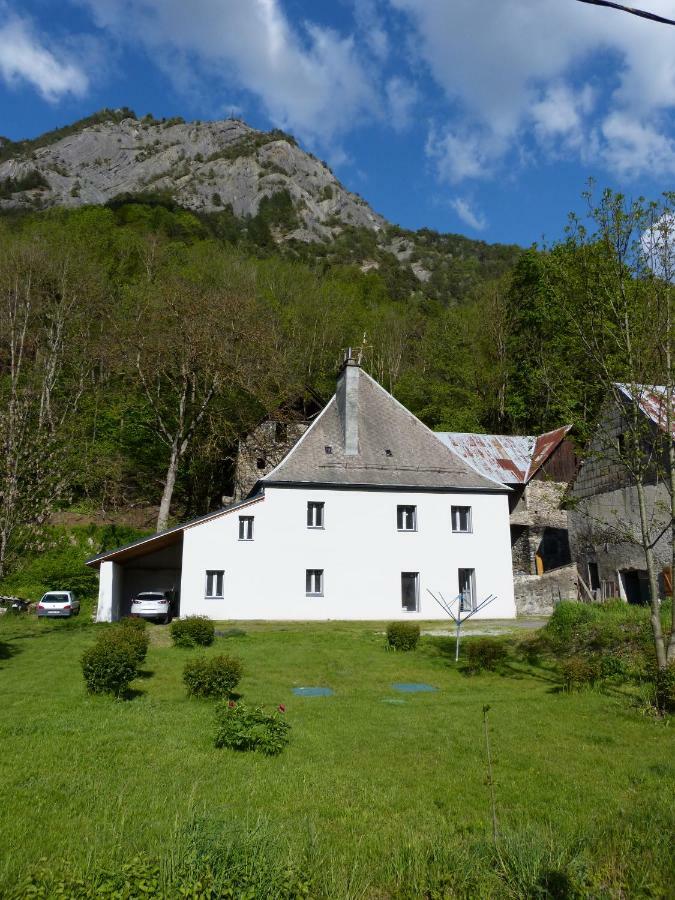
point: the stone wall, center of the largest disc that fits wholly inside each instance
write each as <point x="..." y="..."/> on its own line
<point x="537" y="595"/>
<point x="605" y="530"/>
<point x="262" y="450"/>
<point x="539" y="527"/>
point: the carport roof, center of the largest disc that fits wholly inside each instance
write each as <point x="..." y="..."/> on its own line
<point x="165" y="538"/>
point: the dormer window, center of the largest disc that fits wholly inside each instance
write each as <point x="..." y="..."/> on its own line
<point x="328" y="449"/>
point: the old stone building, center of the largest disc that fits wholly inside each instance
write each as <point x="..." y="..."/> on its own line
<point x="262" y="450"/>
<point x="604" y="518"/>
<point x="538" y="471"/>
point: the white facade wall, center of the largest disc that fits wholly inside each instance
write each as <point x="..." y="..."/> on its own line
<point x="359" y="549"/>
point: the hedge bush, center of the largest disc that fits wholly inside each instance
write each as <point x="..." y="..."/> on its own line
<point x="580" y="671"/>
<point x="240" y="728"/>
<point x="403" y="635"/>
<point x="191" y="631"/>
<point x="215" y="676"/>
<point x="135" y="639"/>
<point x="484" y="653"/>
<point x="108" y="667"/>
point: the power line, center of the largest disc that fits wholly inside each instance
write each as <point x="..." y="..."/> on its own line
<point x="629" y="9"/>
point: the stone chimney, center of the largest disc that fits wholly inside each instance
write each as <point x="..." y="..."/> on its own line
<point x="348" y="402"/>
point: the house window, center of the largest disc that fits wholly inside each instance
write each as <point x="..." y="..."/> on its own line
<point x="315" y="515"/>
<point x="314" y="582"/>
<point x="406" y="518"/>
<point x="461" y="518"/>
<point x="214" y="582"/>
<point x="245" y="528"/>
<point x="260" y="462"/>
<point x="410" y="591"/>
<point x="467" y="589"/>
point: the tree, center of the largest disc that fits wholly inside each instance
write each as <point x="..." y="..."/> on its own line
<point x="200" y="334"/>
<point x="45" y="329"/>
<point x="618" y="303"/>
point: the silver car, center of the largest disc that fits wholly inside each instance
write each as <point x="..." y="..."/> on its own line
<point x="58" y="605"/>
<point x="153" y="605"/>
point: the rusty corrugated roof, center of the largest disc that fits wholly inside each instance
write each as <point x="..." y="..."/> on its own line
<point x="510" y="458"/>
<point x="652" y="400"/>
<point x="544" y="446"/>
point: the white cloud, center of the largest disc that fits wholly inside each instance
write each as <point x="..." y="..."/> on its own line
<point x="634" y="146"/>
<point x="463" y="154"/>
<point x="313" y="80"/>
<point x="25" y="58"/>
<point x="468" y="214"/>
<point x="514" y="73"/>
<point x="401" y="98"/>
<point x="371" y="25"/>
<point x="559" y="113"/>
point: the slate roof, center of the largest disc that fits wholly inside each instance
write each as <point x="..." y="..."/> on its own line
<point x="395" y="449"/>
<point x="509" y="458"/>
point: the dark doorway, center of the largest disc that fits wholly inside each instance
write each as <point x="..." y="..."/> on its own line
<point x="554" y="549"/>
<point x="636" y="586"/>
<point x="594" y="576"/>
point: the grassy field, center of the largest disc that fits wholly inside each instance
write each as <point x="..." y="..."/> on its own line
<point x="378" y="795"/>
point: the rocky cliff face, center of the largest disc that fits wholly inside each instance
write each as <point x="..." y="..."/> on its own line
<point x="203" y="165"/>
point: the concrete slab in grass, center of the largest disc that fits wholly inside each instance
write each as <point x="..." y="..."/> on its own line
<point x="313" y="691"/>
<point x="405" y="687"/>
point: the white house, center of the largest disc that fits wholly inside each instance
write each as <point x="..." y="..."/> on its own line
<point x="364" y="514"/>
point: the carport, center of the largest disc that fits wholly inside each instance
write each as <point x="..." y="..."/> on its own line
<point x="151" y="564"/>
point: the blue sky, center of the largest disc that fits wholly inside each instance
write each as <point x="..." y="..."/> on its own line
<point x="484" y="117"/>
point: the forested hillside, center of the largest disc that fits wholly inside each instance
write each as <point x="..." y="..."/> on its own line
<point x="139" y="340"/>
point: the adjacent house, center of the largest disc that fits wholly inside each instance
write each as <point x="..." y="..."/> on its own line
<point x="367" y="511"/>
<point x="538" y="471"/>
<point x="604" y="516"/>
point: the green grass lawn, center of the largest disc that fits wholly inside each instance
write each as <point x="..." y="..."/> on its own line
<point x="372" y="798"/>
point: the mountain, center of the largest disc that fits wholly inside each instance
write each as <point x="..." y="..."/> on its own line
<point x="204" y="165"/>
<point x="228" y="168"/>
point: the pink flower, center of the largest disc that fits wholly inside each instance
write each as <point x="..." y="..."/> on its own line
<point x="282" y="708"/>
<point x="231" y="704"/>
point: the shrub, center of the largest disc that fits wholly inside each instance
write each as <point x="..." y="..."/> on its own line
<point x="664" y="684"/>
<point x="612" y="666"/>
<point x="484" y="653"/>
<point x="568" y="624"/>
<point x="403" y="635"/>
<point x="191" y="631"/>
<point x="531" y="649"/>
<point x="135" y="640"/>
<point x="108" y="667"/>
<point x="217" y="676"/>
<point x="579" y="672"/>
<point x="135" y="622"/>
<point x="240" y="728"/>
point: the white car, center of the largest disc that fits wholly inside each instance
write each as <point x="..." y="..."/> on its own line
<point x="153" y="605"/>
<point x="58" y="605"/>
